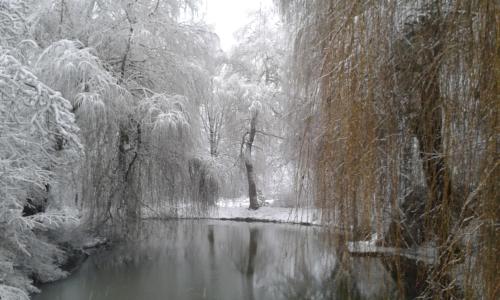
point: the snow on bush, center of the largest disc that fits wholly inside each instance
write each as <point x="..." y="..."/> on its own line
<point x="38" y="136"/>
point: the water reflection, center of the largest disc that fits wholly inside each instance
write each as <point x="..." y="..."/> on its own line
<point x="224" y="260"/>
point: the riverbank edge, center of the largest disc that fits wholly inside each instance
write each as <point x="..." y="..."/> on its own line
<point x="76" y="255"/>
<point x="236" y="219"/>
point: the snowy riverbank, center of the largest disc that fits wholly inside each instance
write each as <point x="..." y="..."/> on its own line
<point x="426" y="254"/>
<point x="237" y="210"/>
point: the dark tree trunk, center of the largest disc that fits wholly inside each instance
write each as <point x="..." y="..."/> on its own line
<point x="128" y="193"/>
<point x="213" y="142"/>
<point x="124" y="59"/>
<point x="419" y="65"/>
<point x="429" y="133"/>
<point x="252" y="187"/>
<point x="430" y="139"/>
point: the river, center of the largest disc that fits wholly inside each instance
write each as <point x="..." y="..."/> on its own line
<point x="205" y="259"/>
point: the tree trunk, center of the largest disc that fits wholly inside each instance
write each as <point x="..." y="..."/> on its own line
<point x="128" y="193"/>
<point x="252" y="188"/>
<point x="213" y="142"/>
<point x="429" y="133"/>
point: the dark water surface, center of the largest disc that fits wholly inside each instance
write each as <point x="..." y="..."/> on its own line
<point x="194" y="259"/>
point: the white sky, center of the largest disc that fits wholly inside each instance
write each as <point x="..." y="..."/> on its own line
<point x="227" y="16"/>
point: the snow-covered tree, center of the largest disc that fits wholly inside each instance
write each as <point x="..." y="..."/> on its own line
<point x="39" y="140"/>
<point x="101" y="107"/>
<point x="255" y="64"/>
<point x="128" y="56"/>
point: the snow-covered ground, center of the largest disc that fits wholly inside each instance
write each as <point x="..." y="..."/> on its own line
<point x="237" y="209"/>
<point x="426" y="254"/>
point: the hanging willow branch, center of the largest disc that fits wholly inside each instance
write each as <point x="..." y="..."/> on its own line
<point x="406" y="110"/>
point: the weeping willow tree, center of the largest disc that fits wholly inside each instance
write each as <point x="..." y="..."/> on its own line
<point x="405" y="98"/>
<point x="172" y="174"/>
<point x="100" y="106"/>
<point x="140" y="143"/>
<point x="143" y="42"/>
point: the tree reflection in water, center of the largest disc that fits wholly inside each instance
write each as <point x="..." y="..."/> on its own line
<point x="225" y="260"/>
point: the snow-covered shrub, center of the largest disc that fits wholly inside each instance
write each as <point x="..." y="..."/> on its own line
<point x="38" y="139"/>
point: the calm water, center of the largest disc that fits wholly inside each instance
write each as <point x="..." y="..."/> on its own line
<point x="223" y="260"/>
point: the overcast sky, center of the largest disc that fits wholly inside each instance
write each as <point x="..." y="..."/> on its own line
<point x="227" y="16"/>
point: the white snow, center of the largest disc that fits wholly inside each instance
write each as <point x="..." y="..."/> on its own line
<point x="237" y="209"/>
<point x="364" y="246"/>
<point x="426" y="254"/>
